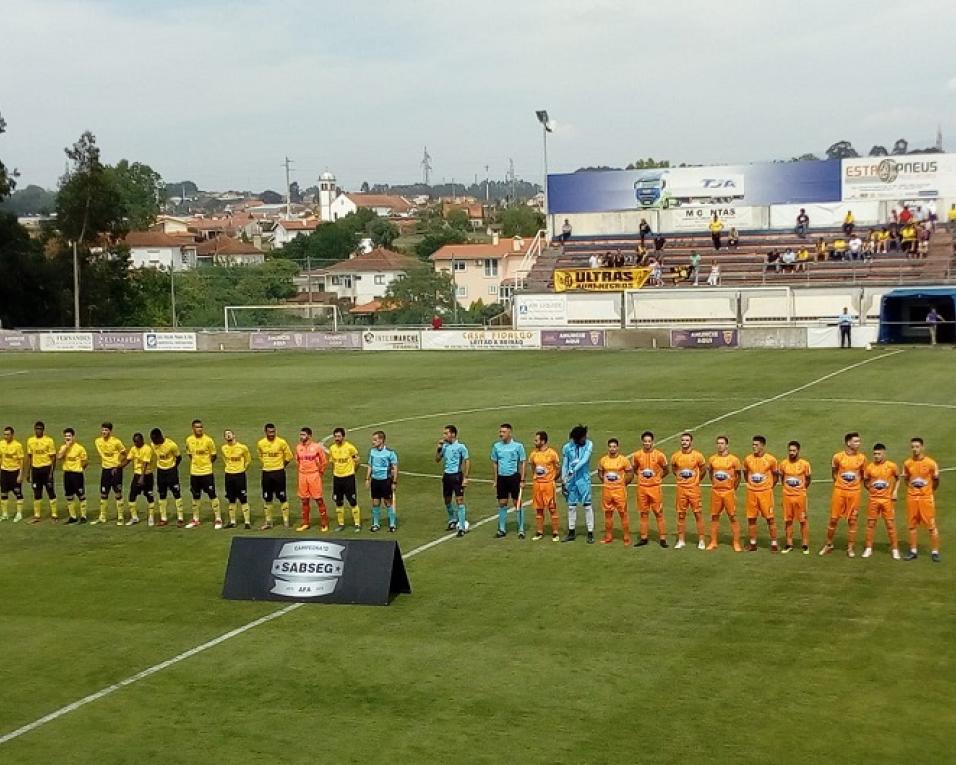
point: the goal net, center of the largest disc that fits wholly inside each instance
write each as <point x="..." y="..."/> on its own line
<point x="282" y="316"/>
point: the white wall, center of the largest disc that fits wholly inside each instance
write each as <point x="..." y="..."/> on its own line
<point x="162" y="257"/>
<point x="340" y="207"/>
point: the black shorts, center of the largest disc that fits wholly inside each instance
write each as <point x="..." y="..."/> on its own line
<point x="343" y="488"/>
<point x="273" y="485"/>
<point x="202" y="484"/>
<point x="41" y="478"/>
<point x="451" y="485"/>
<point x="381" y="488"/>
<point x="237" y="488"/>
<point x="8" y="481"/>
<point x="146" y="489"/>
<point x="167" y="480"/>
<point x="74" y="485"/>
<point x="111" y="479"/>
<point x="508" y="486"/>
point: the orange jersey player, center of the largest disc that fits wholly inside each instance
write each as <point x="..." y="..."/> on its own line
<point x="921" y="475"/>
<point x="725" y="470"/>
<point x="881" y="479"/>
<point x="543" y="465"/>
<point x="688" y="466"/>
<point x="795" y="475"/>
<point x="615" y="472"/>
<point x="760" y="472"/>
<point x="650" y="466"/>
<point x="847" y="468"/>
<point x="312" y="460"/>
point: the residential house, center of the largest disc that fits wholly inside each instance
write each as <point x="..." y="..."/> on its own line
<point x="384" y="205"/>
<point x="485" y="272"/>
<point x="155" y="249"/>
<point x="287" y="230"/>
<point x="365" y="277"/>
<point x="226" y="251"/>
<point x="170" y="224"/>
<point x="474" y="210"/>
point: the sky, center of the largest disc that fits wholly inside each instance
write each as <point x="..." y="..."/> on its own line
<point x="221" y="92"/>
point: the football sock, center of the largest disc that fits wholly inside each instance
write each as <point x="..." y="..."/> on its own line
<point x="4" y="507"/>
<point x="54" y="513"/>
<point x="284" y="509"/>
<point x="267" y="510"/>
<point x="357" y="516"/>
<point x="870" y="531"/>
<point x="805" y="533"/>
<point x="851" y="533"/>
<point x="216" y="509"/>
<point x="934" y="539"/>
<point x="376" y="516"/>
<point x="323" y="512"/>
<point x="831" y="532"/>
<point x="340" y="515"/>
<point x="608" y="525"/>
<point x="179" y="508"/>
<point x="681" y="525"/>
<point x="645" y="526"/>
<point x="70" y="507"/>
<point x="232" y="512"/>
<point x="699" y="520"/>
<point x="589" y="517"/>
<point x="82" y="508"/>
<point x="133" y="513"/>
<point x="714" y="531"/>
<point x="539" y="521"/>
<point x="555" y="522"/>
<point x="502" y="518"/>
<point x="661" y="525"/>
<point x="519" y="511"/>
<point x="572" y="517"/>
<point x="626" y="526"/>
<point x="451" y="511"/>
<point x="735" y="530"/>
<point x="246" y="513"/>
<point x="151" y="508"/>
<point x="891" y="532"/>
<point x="306" y="513"/>
<point x="461" y="516"/>
<point x="120" y="509"/>
<point x="392" y="517"/>
<point x="772" y="525"/>
<point x="36" y="508"/>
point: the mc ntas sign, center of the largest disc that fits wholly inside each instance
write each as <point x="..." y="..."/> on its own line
<point x="600" y="279"/>
<point x="315" y="571"/>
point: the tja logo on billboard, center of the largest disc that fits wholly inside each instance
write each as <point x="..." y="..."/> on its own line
<point x="307" y="569"/>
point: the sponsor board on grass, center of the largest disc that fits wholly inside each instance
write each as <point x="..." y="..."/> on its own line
<point x="704" y="338"/>
<point x="66" y="341"/>
<point x="169" y="341"/>
<point x="559" y="338"/>
<point x="391" y="340"/>
<point x="270" y="341"/>
<point x="481" y="339"/>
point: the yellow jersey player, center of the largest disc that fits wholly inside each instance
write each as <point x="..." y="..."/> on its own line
<point x="847" y="468"/>
<point x="795" y="476"/>
<point x="12" y="458"/>
<point x="544" y="465"/>
<point x="881" y="480"/>
<point x="725" y="471"/>
<point x="345" y="459"/>
<point x="202" y="454"/>
<point x="112" y="458"/>
<point x="143" y="459"/>
<point x="236" y="460"/>
<point x="274" y="454"/>
<point x="921" y="475"/>
<point x="168" y="458"/>
<point x="74" y="459"/>
<point x="760" y="473"/>
<point x="41" y="461"/>
<point x="650" y="467"/>
<point x="688" y="466"/>
<point x="615" y="473"/>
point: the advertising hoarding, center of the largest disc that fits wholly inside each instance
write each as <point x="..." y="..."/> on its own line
<point x="66" y="341"/>
<point x="391" y="340"/>
<point x="704" y="338"/>
<point x="319" y="341"/>
<point x="169" y="341"/>
<point x="481" y="339"/>
<point x="554" y="338"/>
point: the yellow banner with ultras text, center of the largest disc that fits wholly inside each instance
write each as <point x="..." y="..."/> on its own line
<point x="600" y="279"/>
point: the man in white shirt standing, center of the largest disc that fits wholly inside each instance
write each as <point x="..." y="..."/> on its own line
<point x="845" y="321"/>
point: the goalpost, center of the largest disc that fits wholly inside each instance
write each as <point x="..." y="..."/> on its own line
<point x="281" y="316"/>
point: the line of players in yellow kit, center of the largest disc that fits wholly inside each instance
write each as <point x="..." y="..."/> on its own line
<point x="761" y="472"/>
<point x="155" y="465"/>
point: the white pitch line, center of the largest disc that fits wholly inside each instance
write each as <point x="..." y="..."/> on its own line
<point x="11" y="374"/>
<point x="108" y="690"/>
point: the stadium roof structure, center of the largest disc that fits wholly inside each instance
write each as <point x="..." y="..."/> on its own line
<point x="903" y="312"/>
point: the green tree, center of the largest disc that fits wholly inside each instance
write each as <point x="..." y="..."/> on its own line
<point x="418" y="295"/>
<point x="31" y="287"/>
<point x="458" y="219"/>
<point x="7" y="177"/>
<point x="89" y="202"/>
<point x="437" y="237"/>
<point x="383" y="233"/>
<point x="648" y="164"/>
<point x="141" y="189"/>
<point x="841" y="150"/>
<point x="520" y="220"/>
<point x="30" y="200"/>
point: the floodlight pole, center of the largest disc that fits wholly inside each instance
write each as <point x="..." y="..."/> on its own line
<point x="547" y="217"/>
<point x="172" y="288"/>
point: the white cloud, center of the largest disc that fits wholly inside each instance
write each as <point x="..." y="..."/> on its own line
<point x="951" y="85"/>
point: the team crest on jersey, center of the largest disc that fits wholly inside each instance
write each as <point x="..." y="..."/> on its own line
<point x="918" y="483"/>
<point x="540" y="470"/>
<point x="849" y="477"/>
<point x="611" y="476"/>
<point x="880" y="485"/>
<point x="757" y="477"/>
<point x="647" y="473"/>
<point x="685" y="473"/>
<point x="794" y="482"/>
<point x="721" y="475"/>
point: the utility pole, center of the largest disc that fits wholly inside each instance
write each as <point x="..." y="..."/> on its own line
<point x="76" y="287"/>
<point x="288" y="189"/>
<point x="172" y="288"/>
<point x="426" y="165"/>
<point x="511" y="177"/>
<point x="487" y="188"/>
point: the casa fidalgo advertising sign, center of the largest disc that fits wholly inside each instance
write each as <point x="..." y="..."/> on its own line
<point x="362" y="571"/>
<point x="600" y="279"/>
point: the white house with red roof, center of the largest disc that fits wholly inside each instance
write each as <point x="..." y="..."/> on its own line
<point x="156" y="249"/>
<point x="287" y="230"/>
<point x="365" y="277"/>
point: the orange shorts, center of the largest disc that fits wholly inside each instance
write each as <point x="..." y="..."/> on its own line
<point x="844" y="504"/>
<point x="794" y="508"/>
<point x="688" y="499"/>
<point x="921" y="511"/>
<point x="880" y="508"/>
<point x="649" y="499"/>
<point x="310" y="486"/>
<point x="543" y="496"/>
<point x="614" y="500"/>
<point x="723" y="502"/>
<point x="760" y="503"/>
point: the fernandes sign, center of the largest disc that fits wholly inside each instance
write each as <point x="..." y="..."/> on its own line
<point x="600" y="279"/>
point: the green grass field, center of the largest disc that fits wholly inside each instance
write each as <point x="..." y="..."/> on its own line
<point x="506" y="650"/>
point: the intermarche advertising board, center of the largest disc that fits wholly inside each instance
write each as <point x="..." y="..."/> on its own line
<point x="391" y="340"/>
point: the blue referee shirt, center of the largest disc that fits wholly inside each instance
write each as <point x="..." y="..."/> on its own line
<point x="508" y="457"/>
<point x="381" y="461"/>
<point x="453" y="455"/>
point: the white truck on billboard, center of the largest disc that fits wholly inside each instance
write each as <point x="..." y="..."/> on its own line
<point x="684" y="186"/>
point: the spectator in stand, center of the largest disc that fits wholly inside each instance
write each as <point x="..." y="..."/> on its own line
<point x="771" y="262"/>
<point x="882" y="241"/>
<point x="803" y="258"/>
<point x="906" y="216"/>
<point x="641" y="255"/>
<point x="644" y="230"/>
<point x="848" y="223"/>
<point x="932" y="321"/>
<point x="593" y="261"/>
<point x="870" y="244"/>
<point x="619" y="259"/>
<point x="659" y="242"/>
<point x="855" y="247"/>
<point x="695" y="267"/>
<point x="908" y="238"/>
<point x="713" y="278"/>
<point x="788" y="259"/>
<point x="803" y="224"/>
<point x="655" y="266"/>
<point x="565" y="232"/>
<point x="822" y="248"/>
<point x="733" y="238"/>
<point x="951" y="219"/>
<point x="716" y="226"/>
<point x="436" y="322"/>
<point x="931" y="215"/>
<point x="839" y="250"/>
<point x="922" y="238"/>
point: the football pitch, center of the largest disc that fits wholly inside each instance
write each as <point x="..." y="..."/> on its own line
<point x="506" y="650"/>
